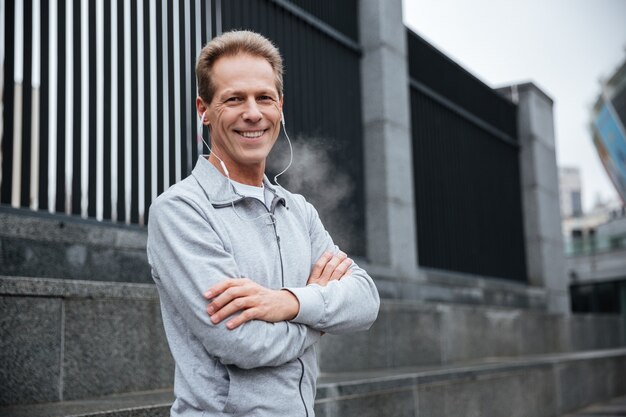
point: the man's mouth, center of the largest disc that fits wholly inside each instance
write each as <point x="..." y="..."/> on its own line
<point x="251" y="134"/>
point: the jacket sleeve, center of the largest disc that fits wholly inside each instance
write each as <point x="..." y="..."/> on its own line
<point x="347" y="305"/>
<point x="187" y="257"/>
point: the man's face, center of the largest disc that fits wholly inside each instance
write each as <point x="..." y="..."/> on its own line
<point x="245" y="113"/>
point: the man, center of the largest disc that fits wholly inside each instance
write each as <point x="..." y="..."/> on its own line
<point x="248" y="277"/>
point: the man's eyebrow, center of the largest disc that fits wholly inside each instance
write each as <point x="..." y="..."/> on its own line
<point x="264" y="92"/>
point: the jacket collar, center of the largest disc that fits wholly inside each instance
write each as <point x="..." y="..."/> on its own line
<point x="220" y="191"/>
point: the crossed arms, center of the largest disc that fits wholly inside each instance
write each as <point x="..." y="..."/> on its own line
<point x="189" y="263"/>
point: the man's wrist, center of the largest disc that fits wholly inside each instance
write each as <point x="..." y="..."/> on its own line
<point x="291" y="304"/>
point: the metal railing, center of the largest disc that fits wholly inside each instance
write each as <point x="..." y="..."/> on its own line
<point x="98" y="102"/>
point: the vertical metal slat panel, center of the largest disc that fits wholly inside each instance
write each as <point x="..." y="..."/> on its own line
<point x="44" y="132"/>
<point x="82" y="158"/>
<point x="128" y="94"/>
<point x="148" y="99"/>
<point x="18" y="80"/>
<point x="61" y="116"/>
<point x="140" y="120"/>
<point x="94" y="113"/>
<point x="35" y="121"/>
<point x="154" y="99"/>
<point x="99" y="154"/>
<point x="3" y="86"/>
<point x="107" y="111"/>
<point x="8" y="97"/>
<point x="165" y="115"/>
<point x="134" y="116"/>
<point x="116" y="109"/>
<point x="187" y="96"/>
<point x="175" y="10"/>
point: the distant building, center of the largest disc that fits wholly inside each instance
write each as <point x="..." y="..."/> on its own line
<point x="609" y="134"/>
<point x="570" y="192"/>
<point x="595" y="244"/>
<point x="596" y="261"/>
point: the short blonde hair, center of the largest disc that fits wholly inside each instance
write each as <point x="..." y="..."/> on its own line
<point x="230" y="44"/>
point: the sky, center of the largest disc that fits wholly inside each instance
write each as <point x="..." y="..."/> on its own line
<point x="563" y="46"/>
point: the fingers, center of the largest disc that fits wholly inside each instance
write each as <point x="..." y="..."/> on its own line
<point x="246" y="315"/>
<point x="222" y="286"/>
<point x="331" y="266"/>
<point x="227" y="304"/>
<point x="235" y="295"/>
<point x="318" y="268"/>
<point x="341" y="270"/>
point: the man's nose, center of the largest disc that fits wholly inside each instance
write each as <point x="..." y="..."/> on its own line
<point x="252" y="112"/>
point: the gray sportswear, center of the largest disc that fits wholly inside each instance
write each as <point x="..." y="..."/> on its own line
<point x="195" y="240"/>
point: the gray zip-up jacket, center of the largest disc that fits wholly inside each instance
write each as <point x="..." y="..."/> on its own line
<point x="195" y="240"/>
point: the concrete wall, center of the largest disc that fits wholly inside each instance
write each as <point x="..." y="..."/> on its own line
<point x="64" y="340"/>
<point x="544" y="387"/>
<point x="390" y="217"/>
<point x="408" y="334"/>
<point x="540" y="193"/>
<point x="58" y="246"/>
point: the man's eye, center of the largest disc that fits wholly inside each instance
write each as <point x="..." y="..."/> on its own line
<point x="265" y="98"/>
<point x="233" y="99"/>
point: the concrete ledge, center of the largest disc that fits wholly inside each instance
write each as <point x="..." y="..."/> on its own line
<point x="49" y="287"/>
<point x="64" y="340"/>
<point x="57" y="246"/>
<point x="418" y="334"/>
<point x="70" y="339"/>
<point x="539" y="386"/>
<point x="453" y="287"/>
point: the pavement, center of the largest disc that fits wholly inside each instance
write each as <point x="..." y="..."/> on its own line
<point x="613" y="408"/>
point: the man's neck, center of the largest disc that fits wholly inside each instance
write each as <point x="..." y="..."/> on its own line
<point x="246" y="174"/>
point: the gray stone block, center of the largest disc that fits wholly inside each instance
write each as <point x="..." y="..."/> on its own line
<point x="584" y="382"/>
<point x="56" y="246"/>
<point x="402" y="336"/>
<point x="414" y="336"/>
<point x="596" y="331"/>
<point x="535" y="114"/>
<point x="356" y="351"/>
<point x="538" y="167"/>
<point x="543" y="333"/>
<point x="114" y="346"/>
<point x="381" y="23"/>
<point x="34" y="258"/>
<point x="30" y="349"/>
<point x="399" y="403"/>
<point x="471" y="333"/>
<point x="509" y="394"/>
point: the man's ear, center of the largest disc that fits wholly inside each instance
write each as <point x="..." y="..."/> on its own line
<point x="201" y="108"/>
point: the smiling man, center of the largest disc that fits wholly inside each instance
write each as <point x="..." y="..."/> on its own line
<point x="249" y="279"/>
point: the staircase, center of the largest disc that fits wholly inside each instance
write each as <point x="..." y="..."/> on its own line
<point x="81" y="335"/>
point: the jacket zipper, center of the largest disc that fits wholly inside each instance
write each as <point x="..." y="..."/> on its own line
<point x="300" y="387"/>
<point x="282" y="279"/>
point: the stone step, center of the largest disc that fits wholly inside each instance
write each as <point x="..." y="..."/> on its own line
<point x="38" y="244"/>
<point x="616" y="407"/>
<point x="532" y="386"/>
<point x="70" y="339"/>
<point x="415" y="334"/>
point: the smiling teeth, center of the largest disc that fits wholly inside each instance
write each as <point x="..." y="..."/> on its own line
<point x="251" y="134"/>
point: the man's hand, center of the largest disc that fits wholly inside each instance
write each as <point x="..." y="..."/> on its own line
<point x="256" y="301"/>
<point x="260" y="303"/>
<point x="330" y="268"/>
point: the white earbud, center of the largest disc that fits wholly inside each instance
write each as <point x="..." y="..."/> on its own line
<point x="282" y="118"/>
